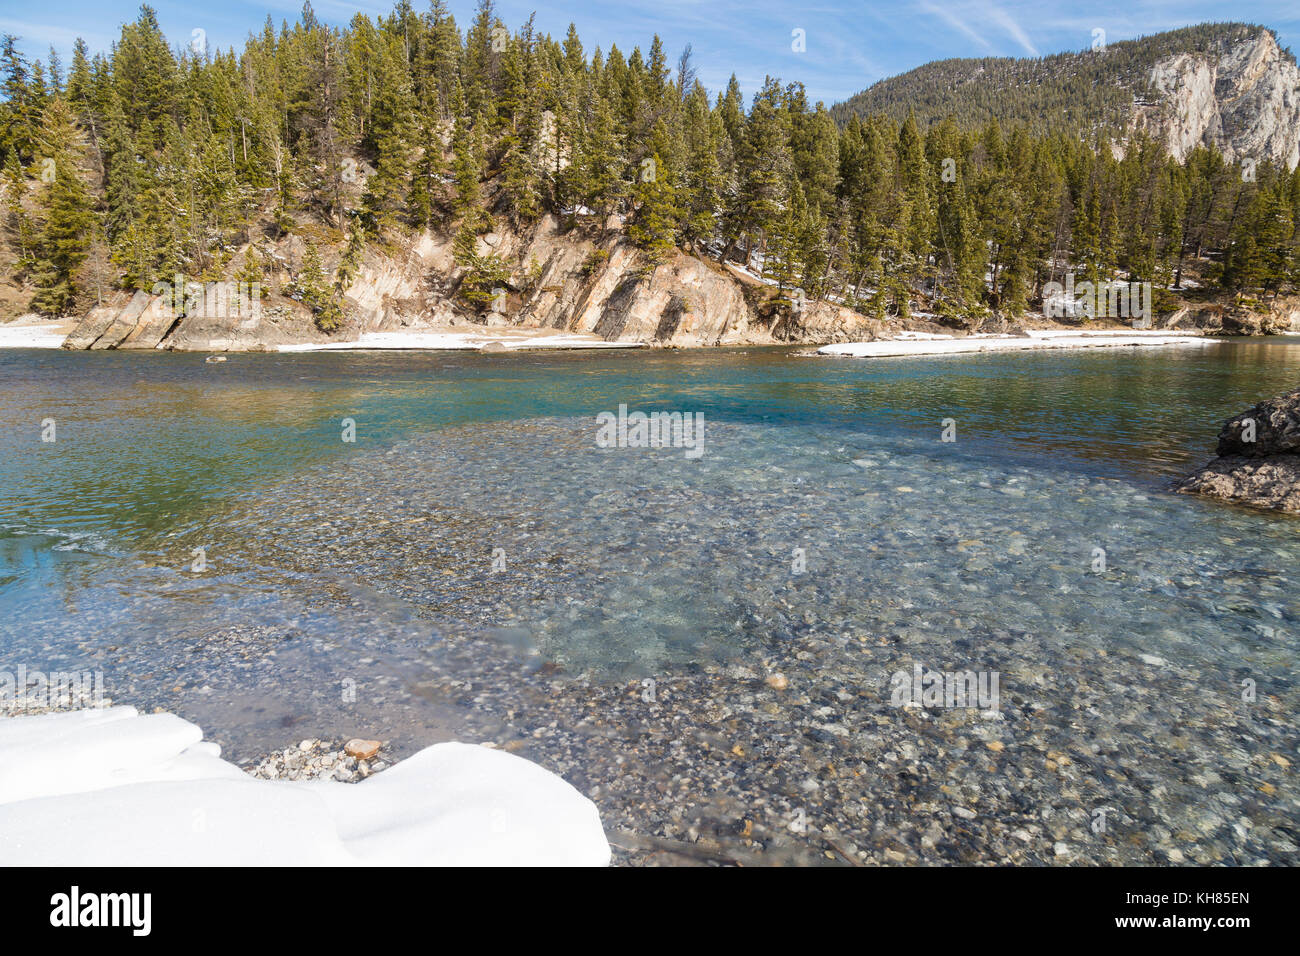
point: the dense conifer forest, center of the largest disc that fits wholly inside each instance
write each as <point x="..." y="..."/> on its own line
<point x="125" y="167"/>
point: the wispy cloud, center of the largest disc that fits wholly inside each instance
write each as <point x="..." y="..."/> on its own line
<point x="40" y="35"/>
<point x="1009" y="23"/>
<point x="949" y="16"/>
<point x="964" y="17"/>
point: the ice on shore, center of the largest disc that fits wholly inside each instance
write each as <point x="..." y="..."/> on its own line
<point x="114" y="787"/>
<point x="508" y="340"/>
<point x="39" y="335"/>
<point x="934" y="344"/>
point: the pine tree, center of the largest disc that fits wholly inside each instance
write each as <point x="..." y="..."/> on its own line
<point x="701" y="192"/>
<point x="441" y="62"/>
<point x="467" y="170"/>
<point x="251" y="274"/>
<point x="763" y="171"/>
<point x="66" y="218"/>
<point x="19" y="110"/>
<point x="484" y="275"/>
<point x="311" y="288"/>
<point x="18" y="227"/>
<point x="321" y="117"/>
<point x="599" y="174"/>
<point x="393" y="131"/>
<point x="653" y="226"/>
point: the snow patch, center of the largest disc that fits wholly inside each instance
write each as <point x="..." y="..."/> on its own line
<point x="1035" y="340"/>
<point x="47" y="335"/>
<point x="114" y="787"/>
<point x="461" y="341"/>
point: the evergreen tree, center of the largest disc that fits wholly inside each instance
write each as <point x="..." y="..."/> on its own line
<point x="19" y="112"/>
<point x="484" y="276"/>
<point x="653" y="226"/>
<point x="18" y="227"/>
<point x="66" y="218"/>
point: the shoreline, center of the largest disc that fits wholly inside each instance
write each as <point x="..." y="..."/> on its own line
<point x="504" y="340"/>
<point x="922" y="344"/>
<point x="36" y="335"/>
<point x="51" y="335"/>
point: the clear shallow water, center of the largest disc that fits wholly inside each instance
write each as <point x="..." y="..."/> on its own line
<point x="156" y="452"/>
<point x="149" y="441"/>
<point x="371" y="563"/>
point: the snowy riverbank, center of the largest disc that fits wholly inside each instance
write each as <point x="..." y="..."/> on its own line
<point x="51" y="334"/>
<point x="917" y="343"/>
<point x="505" y="340"/>
<point x="35" y="335"/>
<point x="115" y="787"/>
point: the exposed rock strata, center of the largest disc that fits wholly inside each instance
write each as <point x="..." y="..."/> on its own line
<point x="568" y="280"/>
<point x="580" y="280"/>
<point x="1242" y="97"/>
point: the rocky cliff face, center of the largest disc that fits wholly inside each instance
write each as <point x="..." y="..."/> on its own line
<point x="606" y="287"/>
<point x="1242" y="97"/>
<point x="1278" y="316"/>
<point x="574" y="281"/>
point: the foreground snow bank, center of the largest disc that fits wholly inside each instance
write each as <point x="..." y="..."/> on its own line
<point x="114" y="787"/>
<point x="1035" y="340"/>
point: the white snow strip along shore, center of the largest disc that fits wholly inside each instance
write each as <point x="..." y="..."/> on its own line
<point x="509" y="341"/>
<point x="111" y="787"/>
<point x="43" y="335"/>
<point x="1036" y="340"/>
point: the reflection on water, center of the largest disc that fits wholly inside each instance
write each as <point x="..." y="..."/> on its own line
<point x="148" y="442"/>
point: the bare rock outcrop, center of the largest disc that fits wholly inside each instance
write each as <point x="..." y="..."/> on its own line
<point x="215" y="323"/>
<point x="1279" y="316"/>
<point x="152" y="326"/>
<point x="124" y="323"/>
<point x="262" y="331"/>
<point x="1242" y="97"/>
<point x="90" y="328"/>
<point x="1259" y="458"/>
<point x="391" y="292"/>
<point x="608" y="287"/>
<point x="142" y="323"/>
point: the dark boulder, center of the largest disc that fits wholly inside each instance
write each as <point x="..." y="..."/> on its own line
<point x="1274" y="425"/>
<point x="1259" y="458"/>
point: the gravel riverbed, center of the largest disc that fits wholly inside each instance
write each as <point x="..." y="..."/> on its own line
<point x="708" y="648"/>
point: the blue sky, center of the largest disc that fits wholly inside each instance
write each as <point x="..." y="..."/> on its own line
<point x="848" y="45"/>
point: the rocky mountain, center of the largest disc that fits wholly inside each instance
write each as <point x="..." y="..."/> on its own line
<point x="1228" y="85"/>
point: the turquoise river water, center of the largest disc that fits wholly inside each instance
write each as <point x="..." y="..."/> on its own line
<point x="475" y="564"/>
